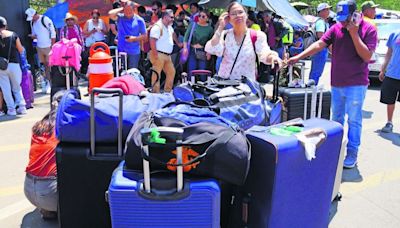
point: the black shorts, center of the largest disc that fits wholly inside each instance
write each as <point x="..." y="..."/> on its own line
<point x="390" y="91"/>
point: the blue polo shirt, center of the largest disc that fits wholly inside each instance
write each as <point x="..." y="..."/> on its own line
<point x="393" y="69"/>
<point x="134" y="26"/>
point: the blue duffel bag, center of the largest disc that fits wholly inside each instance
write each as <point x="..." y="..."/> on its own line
<point x="240" y="102"/>
<point x="73" y="116"/>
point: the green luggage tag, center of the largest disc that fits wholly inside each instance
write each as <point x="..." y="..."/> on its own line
<point x="155" y="137"/>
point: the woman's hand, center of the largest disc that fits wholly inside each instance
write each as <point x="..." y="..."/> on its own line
<point x="274" y="59"/>
<point x="185" y="50"/>
<point x="222" y="21"/>
<point x="208" y="56"/>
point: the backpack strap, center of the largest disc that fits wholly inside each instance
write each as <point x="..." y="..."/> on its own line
<point x="253" y="37"/>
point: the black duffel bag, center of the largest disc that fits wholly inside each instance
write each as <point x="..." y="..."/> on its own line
<point x="209" y="149"/>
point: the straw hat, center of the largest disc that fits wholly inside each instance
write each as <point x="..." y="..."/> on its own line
<point x="70" y="16"/>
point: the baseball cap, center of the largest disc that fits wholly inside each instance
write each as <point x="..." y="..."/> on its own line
<point x="368" y="4"/>
<point x="344" y="9"/>
<point x="323" y="6"/>
<point x="30" y="13"/>
<point x="3" y="22"/>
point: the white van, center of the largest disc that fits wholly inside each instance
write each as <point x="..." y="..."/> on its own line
<point x="385" y="27"/>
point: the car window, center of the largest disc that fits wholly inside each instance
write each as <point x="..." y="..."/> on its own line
<point x="385" y="29"/>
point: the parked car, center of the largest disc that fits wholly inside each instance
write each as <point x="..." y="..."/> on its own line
<point x="385" y="27"/>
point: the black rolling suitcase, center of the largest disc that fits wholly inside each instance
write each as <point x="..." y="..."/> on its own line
<point x="63" y="78"/>
<point x="84" y="172"/>
<point x="294" y="101"/>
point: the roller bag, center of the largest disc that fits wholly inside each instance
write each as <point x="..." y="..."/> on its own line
<point x="294" y="98"/>
<point x="83" y="174"/>
<point x="63" y="78"/>
<point x="162" y="199"/>
<point x="74" y="114"/>
<point x="284" y="188"/>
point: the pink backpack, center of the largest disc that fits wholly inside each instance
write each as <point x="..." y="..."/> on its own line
<point x="66" y="48"/>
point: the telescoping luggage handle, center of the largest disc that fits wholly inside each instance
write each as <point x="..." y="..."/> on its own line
<point x="116" y="56"/>
<point x="315" y="89"/>
<point x="92" y="118"/>
<point x="153" y="135"/>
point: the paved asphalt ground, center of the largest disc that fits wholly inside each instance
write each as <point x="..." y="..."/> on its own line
<point x="371" y="195"/>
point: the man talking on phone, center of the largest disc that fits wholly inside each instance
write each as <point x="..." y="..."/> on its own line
<point x="353" y="42"/>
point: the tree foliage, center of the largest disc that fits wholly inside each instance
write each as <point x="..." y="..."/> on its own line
<point x="385" y="4"/>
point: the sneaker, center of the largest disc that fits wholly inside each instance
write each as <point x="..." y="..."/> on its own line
<point x="48" y="215"/>
<point x="11" y="112"/>
<point x="21" y="110"/>
<point x="388" y="128"/>
<point x="351" y="160"/>
<point x="2" y="113"/>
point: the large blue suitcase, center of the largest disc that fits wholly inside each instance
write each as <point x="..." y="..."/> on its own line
<point x="165" y="201"/>
<point x="284" y="188"/>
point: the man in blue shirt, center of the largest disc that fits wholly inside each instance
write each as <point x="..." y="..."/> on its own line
<point x="321" y="26"/>
<point x="390" y="75"/>
<point x="131" y="31"/>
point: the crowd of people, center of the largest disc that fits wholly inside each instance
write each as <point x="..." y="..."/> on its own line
<point x="223" y="44"/>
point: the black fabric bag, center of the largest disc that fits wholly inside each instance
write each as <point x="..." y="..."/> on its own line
<point x="3" y="61"/>
<point x="200" y="54"/>
<point x="210" y="150"/>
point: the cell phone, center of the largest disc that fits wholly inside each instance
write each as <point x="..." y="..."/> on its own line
<point x="356" y="18"/>
<point x="127" y="37"/>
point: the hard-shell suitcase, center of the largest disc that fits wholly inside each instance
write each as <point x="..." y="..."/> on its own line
<point x="162" y="200"/>
<point x="296" y="106"/>
<point x="284" y="188"/>
<point x="83" y="175"/>
<point x="63" y="78"/>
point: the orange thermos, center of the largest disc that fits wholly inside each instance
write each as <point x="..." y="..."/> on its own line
<point x="100" y="65"/>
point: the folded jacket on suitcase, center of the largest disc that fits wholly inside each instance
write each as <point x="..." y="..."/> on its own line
<point x="74" y="114"/>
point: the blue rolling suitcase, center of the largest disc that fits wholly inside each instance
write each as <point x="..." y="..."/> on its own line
<point x="284" y="188"/>
<point x="136" y="200"/>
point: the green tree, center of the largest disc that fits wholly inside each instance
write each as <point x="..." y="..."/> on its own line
<point x="41" y="5"/>
<point x="385" y="4"/>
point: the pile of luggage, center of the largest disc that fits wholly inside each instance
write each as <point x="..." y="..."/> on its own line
<point x="211" y="154"/>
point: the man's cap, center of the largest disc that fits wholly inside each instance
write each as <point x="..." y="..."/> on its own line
<point x="368" y="4"/>
<point x="30" y="13"/>
<point x="323" y="6"/>
<point x="344" y="9"/>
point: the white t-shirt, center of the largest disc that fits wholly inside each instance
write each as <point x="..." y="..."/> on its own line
<point x="43" y="34"/>
<point x="97" y="36"/>
<point x="165" y="43"/>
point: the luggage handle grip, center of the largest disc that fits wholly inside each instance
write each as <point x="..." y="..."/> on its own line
<point x="92" y="117"/>
<point x="176" y="132"/>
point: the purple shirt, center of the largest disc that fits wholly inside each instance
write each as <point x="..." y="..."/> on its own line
<point x="271" y="35"/>
<point x="348" y="68"/>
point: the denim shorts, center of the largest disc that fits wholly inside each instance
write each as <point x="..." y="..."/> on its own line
<point x="42" y="192"/>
